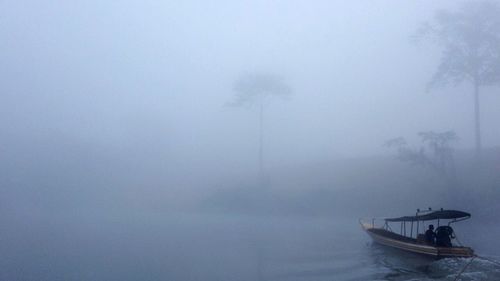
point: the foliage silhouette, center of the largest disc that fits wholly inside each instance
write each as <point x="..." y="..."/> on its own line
<point x="470" y="42"/>
<point x="254" y="90"/>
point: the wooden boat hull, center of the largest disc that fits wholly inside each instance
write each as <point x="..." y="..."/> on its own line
<point x="408" y="244"/>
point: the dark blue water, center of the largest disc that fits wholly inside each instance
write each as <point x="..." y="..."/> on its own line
<point x="157" y="246"/>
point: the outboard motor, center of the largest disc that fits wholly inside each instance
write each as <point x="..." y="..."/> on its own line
<point x="444" y="234"/>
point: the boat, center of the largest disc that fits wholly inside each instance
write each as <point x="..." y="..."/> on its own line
<point x="415" y="240"/>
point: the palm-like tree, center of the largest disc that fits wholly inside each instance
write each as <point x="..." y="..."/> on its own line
<point x="254" y="90"/>
<point x="470" y="41"/>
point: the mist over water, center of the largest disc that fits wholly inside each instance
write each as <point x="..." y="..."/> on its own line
<point x="242" y="140"/>
<point x="159" y="246"/>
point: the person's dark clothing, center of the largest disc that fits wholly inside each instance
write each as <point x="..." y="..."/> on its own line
<point x="430" y="236"/>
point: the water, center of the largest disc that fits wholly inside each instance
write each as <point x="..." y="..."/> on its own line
<point x="155" y="246"/>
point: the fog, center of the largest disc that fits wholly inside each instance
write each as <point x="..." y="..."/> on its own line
<point x="116" y="116"/>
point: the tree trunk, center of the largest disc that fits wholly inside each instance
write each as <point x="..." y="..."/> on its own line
<point x="261" y="140"/>
<point x="477" y="119"/>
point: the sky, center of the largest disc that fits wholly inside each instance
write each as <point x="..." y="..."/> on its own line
<point x="150" y="79"/>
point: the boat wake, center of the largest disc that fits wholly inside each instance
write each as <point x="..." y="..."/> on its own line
<point x="478" y="268"/>
<point x="395" y="265"/>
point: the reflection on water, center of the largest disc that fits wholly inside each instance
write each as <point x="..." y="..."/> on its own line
<point x="203" y="247"/>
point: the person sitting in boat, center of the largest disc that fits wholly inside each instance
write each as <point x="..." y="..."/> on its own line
<point x="444" y="234"/>
<point x="430" y="236"/>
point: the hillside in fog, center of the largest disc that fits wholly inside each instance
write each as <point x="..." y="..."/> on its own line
<point x="79" y="177"/>
<point x="375" y="185"/>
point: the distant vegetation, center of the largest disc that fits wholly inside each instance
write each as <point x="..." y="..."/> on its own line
<point x="367" y="186"/>
<point x="435" y="153"/>
<point x="470" y="42"/>
<point x="437" y="174"/>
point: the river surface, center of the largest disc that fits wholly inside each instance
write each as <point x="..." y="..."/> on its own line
<point x="145" y="246"/>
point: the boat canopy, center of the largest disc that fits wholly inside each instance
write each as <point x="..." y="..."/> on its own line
<point x="435" y="215"/>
